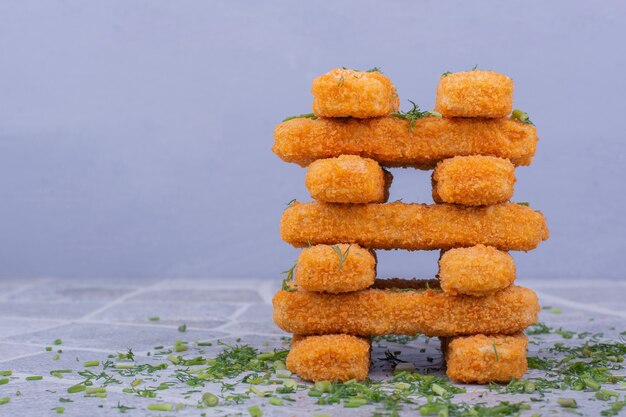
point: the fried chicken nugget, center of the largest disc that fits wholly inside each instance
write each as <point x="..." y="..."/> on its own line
<point x="474" y="94"/>
<point x="335" y="269"/>
<point x="376" y="312"/>
<point x="348" y="179"/>
<point x="333" y="357"/>
<point x="477" y="271"/>
<point x="481" y="359"/>
<point x="473" y="180"/>
<point x="389" y="140"/>
<point x="508" y="226"/>
<point x="349" y="93"/>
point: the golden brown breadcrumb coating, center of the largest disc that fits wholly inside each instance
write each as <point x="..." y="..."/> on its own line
<point x="333" y="357"/>
<point x="474" y="94"/>
<point x="389" y="140"/>
<point x="397" y="225"/>
<point x="349" y="93"/>
<point x="479" y="270"/>
<point x="481" y="359"/>
<point x="376" y="312"/>
<point x="318" y="268"/>
<point x="473" y="180"/>
<point x="348" y="179"/>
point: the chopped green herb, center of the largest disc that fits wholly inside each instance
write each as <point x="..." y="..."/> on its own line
<point x="255" y="411"/>
<point x="521" y="116"/>
<point x="155" y="318"/>
<point x="301" y="116"/>
<point x="182" y="328"/>
<point x="342" y="256"/>
<point x="6" y="373"/>
<point x="34" y="378"/>
<point x="89" y="364"/>
<point x="567" y="402"/>
<point x="161" y="407"/>
<point x="209" y="399"/>
<point x="414" y="114"/>
<point x="4" y="400"/>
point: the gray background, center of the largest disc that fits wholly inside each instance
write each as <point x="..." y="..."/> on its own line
<point x="135" y="136"/>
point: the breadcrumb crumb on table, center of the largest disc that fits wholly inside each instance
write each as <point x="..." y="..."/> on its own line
<point x="390" y="142"/>
<point x="480" y="359"/>
<point x="349" y="93"/>
<point x="414" y="226"/>
<point x="335" y="269"/>
<point x="333" y="357"/>
<point x="378" y="312"/>
<point x="474" y="94"/>
<point x="473" y="180"/>
<point x="478" y="271"/>
<point x="348" y="179"/>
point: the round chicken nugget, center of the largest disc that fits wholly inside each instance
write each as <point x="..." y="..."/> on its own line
<point x="348" y="179"/>
<point x="473" y="180"/>
<point x="350" y="93"/>
<point x="335" y="357"/>
<point x="479" y="270"/>
<point x="335" y="269"/>
<point x="474" y="94"/>
<point x="481" y="359"/>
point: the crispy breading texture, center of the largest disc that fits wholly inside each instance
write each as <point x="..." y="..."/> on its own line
<point x="333" y="357"/>
<point x="377" y="312"/>
<point x="481" y="359"/>
<point x="348" y="179"/>
<point x="474" y="94"/>
<point x="350" y="93"/>
<point x="389" y="140"/>
<point x="473" y="180"/>
<point x="319" y="269"/>
<point x="477" y="271"/>
<point x="397" y="225"/>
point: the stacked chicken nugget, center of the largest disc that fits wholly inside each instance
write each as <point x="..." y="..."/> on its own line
<point x="335" y="304"/>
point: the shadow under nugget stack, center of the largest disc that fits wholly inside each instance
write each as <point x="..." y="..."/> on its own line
<point x="335" y="303"/>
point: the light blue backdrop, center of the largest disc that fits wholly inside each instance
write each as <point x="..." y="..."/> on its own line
<point x="135" y="136"/>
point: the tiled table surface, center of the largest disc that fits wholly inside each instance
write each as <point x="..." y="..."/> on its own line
<point x="95" y="318"/>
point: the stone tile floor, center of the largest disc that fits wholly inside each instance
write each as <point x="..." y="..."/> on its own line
<point x="97" y="318"/>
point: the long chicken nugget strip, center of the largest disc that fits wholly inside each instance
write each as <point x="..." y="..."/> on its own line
<point x="349" y="93"/>
<point x="398" y="225"/>
<point x="473" y="180"/>
<point x="391" y="142"/>
<point x="377" y="312"/>
<point x="335" y="269"/>
<point x="478" y="271"/>
<point x="336" y="357"/>
<point x="481" y="359"/>
<point x="474" y="94"/>
<point x="348" y="179"/>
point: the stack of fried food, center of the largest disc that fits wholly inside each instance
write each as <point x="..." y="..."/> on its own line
<point x="334" y="303"/>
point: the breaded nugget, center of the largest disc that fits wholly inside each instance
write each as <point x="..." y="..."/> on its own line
<point x="389" y="140"/>
<point x="333" y="357"/>
<point x="350" y="93"/>
<point x="478" y="271"/>
<point x="335" y="269"/>
<point x="474" y="94"/>
<point x="375" y="312"/>
<point x="481" y="359"/>
<point x="473" y="180"/>
<point x="508" y="226"/>
<point x="348" y="179"/>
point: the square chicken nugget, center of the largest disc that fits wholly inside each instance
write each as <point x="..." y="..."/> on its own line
<point x="478" y="271"/>
<point x="334" y="357"/>
<point x="335" y="269"/>
<point x="473" y="180"/>
<point x="348" y="179"/>
<point x="474" y="94"/>
<point x="349" y="93"/>
<point x="481" y="359"/>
